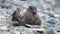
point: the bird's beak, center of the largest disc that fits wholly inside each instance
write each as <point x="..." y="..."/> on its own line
<point x="34" y="11"/>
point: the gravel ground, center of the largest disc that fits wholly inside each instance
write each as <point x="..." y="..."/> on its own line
<point x="48" y="10"/>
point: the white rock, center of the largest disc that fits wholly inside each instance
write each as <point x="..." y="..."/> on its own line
<point x="2" y="20"/>
<point x="17" y="32"/>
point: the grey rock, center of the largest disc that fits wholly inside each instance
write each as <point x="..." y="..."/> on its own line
<point x="50" y="31"/>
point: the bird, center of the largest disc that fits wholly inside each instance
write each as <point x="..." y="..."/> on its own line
<point x="29" y="17"/>
<point x="17" y="18"/>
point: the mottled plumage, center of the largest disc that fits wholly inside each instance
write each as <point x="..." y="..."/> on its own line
<point x="29" y="17"/>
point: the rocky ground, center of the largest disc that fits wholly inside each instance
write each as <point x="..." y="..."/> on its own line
<point x="48" y="10"/>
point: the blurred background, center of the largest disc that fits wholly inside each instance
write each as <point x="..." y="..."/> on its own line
<point x="48" y="10"/>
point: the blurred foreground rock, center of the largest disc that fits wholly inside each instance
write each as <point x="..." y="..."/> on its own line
<point x="17" y="30"/>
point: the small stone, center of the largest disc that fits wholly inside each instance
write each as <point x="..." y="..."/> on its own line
<point x="50" y="31"/>
<point x="23" y="0"/>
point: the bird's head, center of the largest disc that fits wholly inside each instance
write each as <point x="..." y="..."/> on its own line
<point x="32" y="9"/>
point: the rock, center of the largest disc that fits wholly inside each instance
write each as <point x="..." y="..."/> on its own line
<point x="2" y="20"/>
<point x="57" y="27"/>
<point x="21" y="30"/>
<point x="32" y="26"/>
<point x="23" y="0"/>
<point x="27" y="31"/>
<point x="50" y="31"/>
<point x="52" y="21"/>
